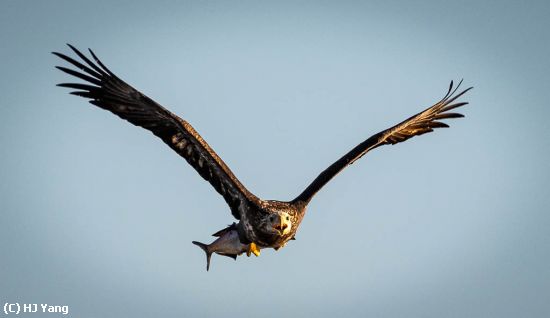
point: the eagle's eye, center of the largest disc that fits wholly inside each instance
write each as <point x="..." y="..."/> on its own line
<point x="272" y="218"/>
<point x="288" y="218"/>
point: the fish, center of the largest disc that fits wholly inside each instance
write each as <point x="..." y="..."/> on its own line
<point x="227" y="244"/>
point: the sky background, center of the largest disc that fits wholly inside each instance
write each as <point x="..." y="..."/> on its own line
<point x="99" y="215"/>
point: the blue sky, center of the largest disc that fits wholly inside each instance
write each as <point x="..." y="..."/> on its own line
<point x="99" y="215"/>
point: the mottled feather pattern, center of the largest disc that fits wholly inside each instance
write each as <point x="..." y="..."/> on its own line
<point x="427" y="120"/>
<point x="107" y="91"/>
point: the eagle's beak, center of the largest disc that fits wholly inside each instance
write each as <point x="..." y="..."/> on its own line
<point x="281" y="226"/>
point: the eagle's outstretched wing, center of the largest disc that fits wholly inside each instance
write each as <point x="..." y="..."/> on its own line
<point x="106" y="90"/>
<point x="416" y="125"/>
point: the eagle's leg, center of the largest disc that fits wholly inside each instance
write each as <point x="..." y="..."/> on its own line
<point x="253" y="248"/>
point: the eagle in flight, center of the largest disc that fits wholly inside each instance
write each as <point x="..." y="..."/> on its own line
<point x="262" y="223"/>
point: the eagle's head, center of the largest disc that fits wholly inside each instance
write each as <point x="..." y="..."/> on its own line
<point x="278" y="223"/>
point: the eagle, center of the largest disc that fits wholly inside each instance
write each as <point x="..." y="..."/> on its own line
<point x="261" y="223"/>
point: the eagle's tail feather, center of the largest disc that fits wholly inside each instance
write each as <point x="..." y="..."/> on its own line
<point x="204" y="247"/>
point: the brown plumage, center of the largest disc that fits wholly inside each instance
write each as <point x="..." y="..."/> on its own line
<point x="266" y="223"/>
<point x="419" y="124"/>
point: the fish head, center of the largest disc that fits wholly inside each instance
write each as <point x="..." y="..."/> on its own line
<point x="278" y="223"/>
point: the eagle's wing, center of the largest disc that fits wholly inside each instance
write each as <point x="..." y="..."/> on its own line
<point x="416" y="125"/>
<point x="106" y="90"/>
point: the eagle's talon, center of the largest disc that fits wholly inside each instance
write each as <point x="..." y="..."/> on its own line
<point x="253" y="249"/>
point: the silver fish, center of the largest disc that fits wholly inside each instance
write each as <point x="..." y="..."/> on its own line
<point x="227" y="244"/>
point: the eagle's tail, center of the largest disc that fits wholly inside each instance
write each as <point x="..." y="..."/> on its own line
<point x="204" y="247"/>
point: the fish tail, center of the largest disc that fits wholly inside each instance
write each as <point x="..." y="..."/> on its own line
<point x="204" y="247"/>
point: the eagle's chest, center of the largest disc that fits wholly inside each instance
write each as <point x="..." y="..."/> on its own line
<point x="266" y="240"/>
